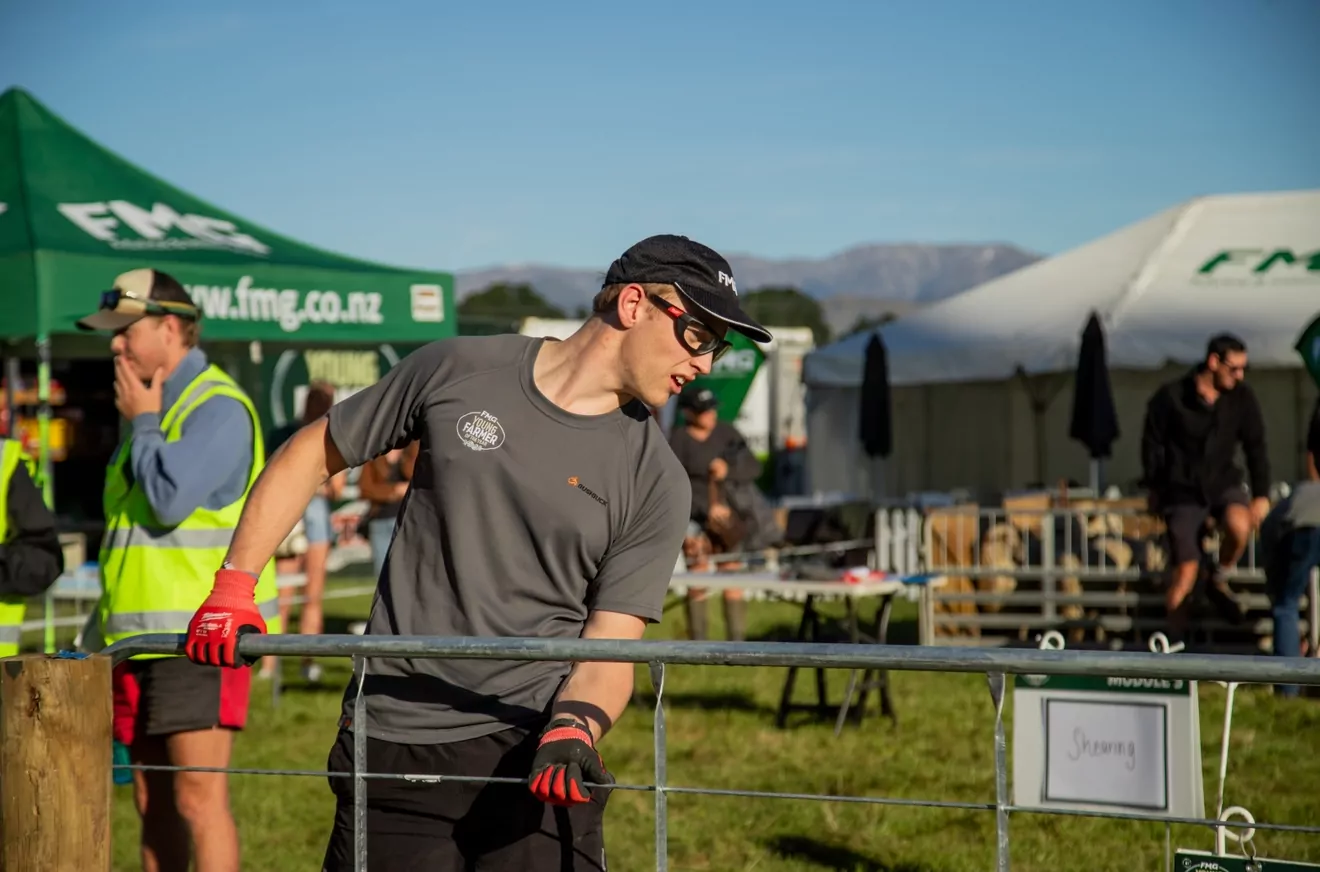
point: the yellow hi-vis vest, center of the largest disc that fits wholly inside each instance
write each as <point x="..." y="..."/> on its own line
<point x="12" y="608"/>
<point x="154" y="577"/>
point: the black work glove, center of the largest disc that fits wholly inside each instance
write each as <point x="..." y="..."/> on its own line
<point x="565" y="758"/>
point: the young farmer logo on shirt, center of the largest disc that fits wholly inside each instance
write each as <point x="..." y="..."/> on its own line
<point x="480" y="431"/>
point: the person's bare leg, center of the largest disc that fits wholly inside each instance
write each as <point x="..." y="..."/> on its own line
<point x="203" y="797"/>
<point x="1177" y="599"/>
<point x="696" y="614"/>
<point x="283" y="566"/>
<point x="735" y="613"/>
<point x="1235" y="534"/>
<point x="311" y="619"/>
<point x="697" y="551"/>
<point x="164" y="846"/>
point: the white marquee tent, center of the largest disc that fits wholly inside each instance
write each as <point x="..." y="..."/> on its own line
<point x="983" y="382"/>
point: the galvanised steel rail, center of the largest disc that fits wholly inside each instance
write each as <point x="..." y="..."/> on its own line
<point x="1024" y="661"/>
<point x="995" y="663"/>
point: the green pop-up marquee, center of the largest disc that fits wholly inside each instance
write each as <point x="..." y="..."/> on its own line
<point x="74" y="215"/>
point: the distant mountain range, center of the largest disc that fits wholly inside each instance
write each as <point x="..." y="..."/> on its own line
<point x="864" y="281"/>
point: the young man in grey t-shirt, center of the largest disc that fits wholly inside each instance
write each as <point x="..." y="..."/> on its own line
<point x="545" y="502"/>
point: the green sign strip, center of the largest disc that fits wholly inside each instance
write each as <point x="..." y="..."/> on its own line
<point x="1202" y="861"/>
<point x="1094" y="684"/>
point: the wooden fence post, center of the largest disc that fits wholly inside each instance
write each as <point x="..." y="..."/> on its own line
<point x="55" y="763"/>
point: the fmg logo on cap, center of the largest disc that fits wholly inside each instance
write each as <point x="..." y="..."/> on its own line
<point x="726" y="279"/>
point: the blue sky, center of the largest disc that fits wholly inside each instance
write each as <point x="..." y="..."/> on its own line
<point x="456" y="135"/>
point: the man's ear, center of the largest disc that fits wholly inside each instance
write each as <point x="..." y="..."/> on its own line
<point x="173" y="326"/>
<point x="628" y="307"/>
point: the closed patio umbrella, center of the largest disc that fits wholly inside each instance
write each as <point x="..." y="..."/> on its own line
<point x="1094" y="416"/>
<point x="877" y="430"/>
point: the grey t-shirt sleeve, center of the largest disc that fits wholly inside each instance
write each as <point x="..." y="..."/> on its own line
<point x="390" y="413"/>
<point x="635" y="572"/>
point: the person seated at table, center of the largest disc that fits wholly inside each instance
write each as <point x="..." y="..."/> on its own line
<point x="717" y="459"/>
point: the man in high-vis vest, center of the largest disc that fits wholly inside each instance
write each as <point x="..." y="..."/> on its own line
<point x="174" y="491"/>
<point x="31" y="558"/>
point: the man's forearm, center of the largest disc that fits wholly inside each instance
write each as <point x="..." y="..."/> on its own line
<point x="597" y="693"/>
<point x="281" y="495"/>
<point x="1312" y="470"/>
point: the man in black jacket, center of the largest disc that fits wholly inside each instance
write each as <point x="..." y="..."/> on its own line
<point x="30" y="554"/>
<point x="1192" y="430"/>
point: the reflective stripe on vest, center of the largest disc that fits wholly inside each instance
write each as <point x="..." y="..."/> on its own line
<point x="155" y="576"/>
<point x="121" y="623"/>
<point x="145" y="537"/>
<point x="12" y="608"/>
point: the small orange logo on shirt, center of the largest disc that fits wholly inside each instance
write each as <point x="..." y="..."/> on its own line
<point x="574" y="482"/>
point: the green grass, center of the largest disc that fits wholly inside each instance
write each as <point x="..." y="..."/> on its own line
<point x="722" y="734"/>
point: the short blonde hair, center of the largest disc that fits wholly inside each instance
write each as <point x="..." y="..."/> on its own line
<point x="604" y="301"/>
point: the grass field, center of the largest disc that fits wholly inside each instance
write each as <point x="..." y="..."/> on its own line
<point x="722" y="734"/>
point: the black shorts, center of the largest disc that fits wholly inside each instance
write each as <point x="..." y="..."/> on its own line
<point x="460" y="826"/>
<point x="1185" y="522"/>
<point x="159" y="696"/>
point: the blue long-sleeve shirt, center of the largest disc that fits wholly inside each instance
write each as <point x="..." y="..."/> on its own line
<point x="209" y="465"/>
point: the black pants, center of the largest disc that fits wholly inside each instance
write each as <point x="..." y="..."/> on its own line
<point x="460" y="826"/>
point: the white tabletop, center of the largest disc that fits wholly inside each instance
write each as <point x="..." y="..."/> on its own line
<point x="770" y="582"/>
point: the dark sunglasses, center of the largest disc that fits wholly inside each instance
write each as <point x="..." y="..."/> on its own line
<point x="115" y="300"/>
<point x="693" y="335"/>
<point x="1239" y="371"/>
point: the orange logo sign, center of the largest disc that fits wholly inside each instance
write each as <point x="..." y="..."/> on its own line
<point x="572" y="481"/>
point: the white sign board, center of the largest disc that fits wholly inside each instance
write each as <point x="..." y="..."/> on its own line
<point x="1107" y="744"/>
<point x="1106" y="752"/>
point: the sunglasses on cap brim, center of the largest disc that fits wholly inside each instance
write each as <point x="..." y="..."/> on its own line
<point x="692" y="334"/>
<point x="115" y="300"/>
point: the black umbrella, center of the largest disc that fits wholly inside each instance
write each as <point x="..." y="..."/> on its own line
<point x="877" y="429"/>
<point x="1094" y="417"/>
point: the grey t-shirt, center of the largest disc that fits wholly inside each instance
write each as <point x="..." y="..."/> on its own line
<point x="1301" y="508"/>
<point x="521" y="518"/>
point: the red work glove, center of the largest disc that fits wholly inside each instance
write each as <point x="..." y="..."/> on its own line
<point x="565" y="758"/>
<point x="230" y="611"/>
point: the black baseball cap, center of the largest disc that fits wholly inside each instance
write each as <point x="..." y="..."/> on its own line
<point x="702" y="276"/>
<point x="697" y="397"/>
<point x="137" y="294"/>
